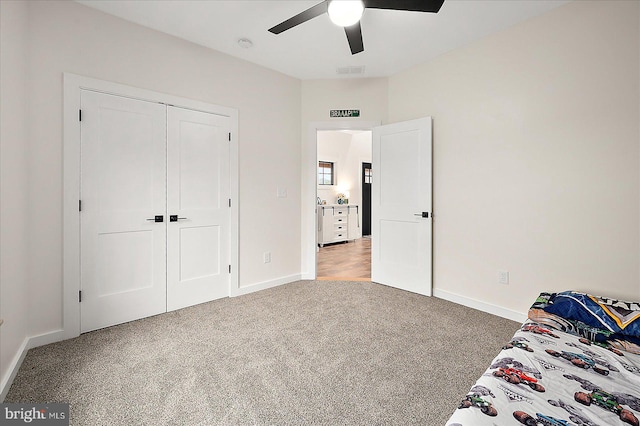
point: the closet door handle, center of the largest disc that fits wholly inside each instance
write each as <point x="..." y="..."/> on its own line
<point x="157" y="219"/>
<point x="423" y="214"/>
<point x="175" y="218"/>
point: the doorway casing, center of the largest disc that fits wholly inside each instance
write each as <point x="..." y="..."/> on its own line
<point x="309" y="198"/>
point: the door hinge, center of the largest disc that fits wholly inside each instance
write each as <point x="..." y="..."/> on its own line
<point x="229" y="136"/>
<point x="229" y="268"/>
<point x="79" y="115"/>
<point x="80" y="296"/>
<point x="79" y="205"/>
<point x="229" y="202"/>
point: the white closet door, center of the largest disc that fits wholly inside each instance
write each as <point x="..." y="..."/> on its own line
<point x="123" y="189"/>
<point x="198" y="199"/>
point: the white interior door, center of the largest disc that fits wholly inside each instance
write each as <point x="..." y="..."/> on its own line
<point x="123" y="189"/>
<point x="198" y="207"/>
<point x="401" y="206"/>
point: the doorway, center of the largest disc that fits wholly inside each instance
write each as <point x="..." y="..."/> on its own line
<point x="343" y="249"/>
<point x="396" y="143"/>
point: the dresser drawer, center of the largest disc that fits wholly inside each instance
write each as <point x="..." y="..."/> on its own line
<point x="340" y="227"/>
<point x="339" y="220"/>
<point x="340" y="211"/>
<point x="340" y="235"/>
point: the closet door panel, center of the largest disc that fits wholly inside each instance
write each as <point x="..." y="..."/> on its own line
<point x="123" y="189"/>
<point x="198" y="207"/>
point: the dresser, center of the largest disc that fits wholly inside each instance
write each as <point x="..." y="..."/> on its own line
<point x="338" y="222"/>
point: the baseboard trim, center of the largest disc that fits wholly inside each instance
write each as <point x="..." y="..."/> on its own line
<point x="46" y="338"/>
<point x="28" y="343"/>
<point x="13" y="369"/>
<point x="481" y="306"/>
<point x="343" y="279"/>
<point x="267" y="284"/>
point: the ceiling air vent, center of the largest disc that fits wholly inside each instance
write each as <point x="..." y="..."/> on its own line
<point x="359" y="70"/>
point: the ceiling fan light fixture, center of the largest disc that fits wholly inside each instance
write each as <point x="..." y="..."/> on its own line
<point x="345" y="13"/>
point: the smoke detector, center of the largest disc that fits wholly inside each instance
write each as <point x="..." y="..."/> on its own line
<point x="245" y="43"/>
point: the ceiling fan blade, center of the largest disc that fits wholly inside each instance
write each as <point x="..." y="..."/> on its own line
<point x="308" y="14"/>
<point x="412" y="5"/>
<point x="354" y="36"/>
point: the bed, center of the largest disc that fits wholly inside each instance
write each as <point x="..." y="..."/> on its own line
<point x="575" y="361"/>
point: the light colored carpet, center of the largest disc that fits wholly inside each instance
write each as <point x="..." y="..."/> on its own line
<point x="310" y="352"/>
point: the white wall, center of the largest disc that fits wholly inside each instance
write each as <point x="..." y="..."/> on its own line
<point x="69" y="37"/>
<point x="14" y="186"/>
<point x="536" y="156"/>
<point x="333" y="146"/>
<point x="370" y="96"/>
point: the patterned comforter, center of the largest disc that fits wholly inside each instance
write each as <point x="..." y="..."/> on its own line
<point x="575" y="361"/>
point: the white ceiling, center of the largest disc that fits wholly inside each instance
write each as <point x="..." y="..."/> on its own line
<point x="393" y="40"/>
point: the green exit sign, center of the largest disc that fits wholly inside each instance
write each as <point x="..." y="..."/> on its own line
<point x="344" y="113"/>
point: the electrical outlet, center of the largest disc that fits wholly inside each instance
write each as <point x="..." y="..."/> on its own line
<point x="282" y="192"/>
<point x="503" y="277"/>
<point x="267" y="256"/>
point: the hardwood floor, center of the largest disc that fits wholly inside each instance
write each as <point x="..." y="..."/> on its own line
<point x="345" y="261"/>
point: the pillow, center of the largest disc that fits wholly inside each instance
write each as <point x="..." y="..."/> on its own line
<point x="616" y="316"/>
<point x="599" y="319"/>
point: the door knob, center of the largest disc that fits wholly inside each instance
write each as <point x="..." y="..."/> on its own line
<point x="157" y="219"/>
<point x="175" y="218"/>
<point x="423" y="214"/>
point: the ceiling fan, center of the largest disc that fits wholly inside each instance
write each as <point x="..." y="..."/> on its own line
<point x="347" y="14"/>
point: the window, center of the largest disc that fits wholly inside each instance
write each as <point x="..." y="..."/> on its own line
<point x="325" y="173"/>
<point x="367" y="175"/>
